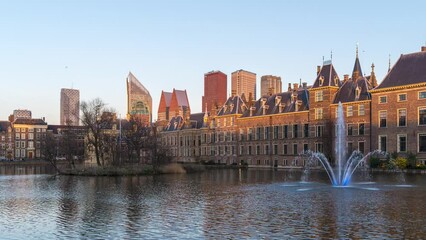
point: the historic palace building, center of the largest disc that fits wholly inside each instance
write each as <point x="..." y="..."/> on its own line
<point x="276" y="128"/>
<point x="139" y="101"/>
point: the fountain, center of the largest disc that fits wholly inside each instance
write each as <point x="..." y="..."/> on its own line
<point x="341" y="175"/>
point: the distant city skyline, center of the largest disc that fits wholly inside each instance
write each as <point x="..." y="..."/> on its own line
<point x="92" y="45"/>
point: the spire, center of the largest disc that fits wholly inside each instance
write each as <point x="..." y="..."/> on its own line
<point x="389" y="64"/>
<point x="373" y="80"/>
<point x="357" y="72"/>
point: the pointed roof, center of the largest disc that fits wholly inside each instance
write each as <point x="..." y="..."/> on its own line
<point x="133" y="82"/>
<point x="167" y="98"/>
<point x="357" y="67"/>
<point x="348" y="91"/>
<point x="234" y="105"/>
<point x="409" y="69"/>
<point x="327" y="77"/>
<point x="181" y="97"/>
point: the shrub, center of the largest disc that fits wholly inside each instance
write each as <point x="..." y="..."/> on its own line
<point x="375" y="162"/>
<point x="400" y="162"/>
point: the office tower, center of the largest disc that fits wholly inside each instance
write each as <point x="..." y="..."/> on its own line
<point x="70" y="107"/>
<point x="215" y="90"/>
<point x="244" y="82"/>
<point x="270" y="85"/>
<point x="139" y="101"/>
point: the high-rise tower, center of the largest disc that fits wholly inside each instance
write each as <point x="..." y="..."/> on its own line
<point x="139" y="101"/>
<point x="270" y="85"/>
<point x="70" y="107"/>
<point x="244" y="82"/>
<point x="215" y="90"/>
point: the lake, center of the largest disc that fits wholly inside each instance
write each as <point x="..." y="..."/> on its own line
<point x="215" y="204"/>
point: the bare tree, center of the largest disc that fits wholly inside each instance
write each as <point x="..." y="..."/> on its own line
<point x="98" y="119"/>
<point x="135" y="135"/>
<point x="49" y="149"/>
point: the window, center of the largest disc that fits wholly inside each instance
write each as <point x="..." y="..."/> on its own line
<point x="402" y="97"/>
<point x="258" y="131"/>
<point x="382" y="143"/>
<point x="241" y="150"/>
<point x="257" y="150"/>
<point x="350" y="148"/>
<point x="318" y="147"/>
<point x="422" y="116"/>
<point x="383" y="99"/>
<point x="23" y="144"/>
<point x="402" y="143"/>
<point x="295" y="152"/>
<point x="318" y="113"/>
<point x="350" y="130"/>
<point x="295" y="131"/>
<point x="319" y="131"/>
<point x="266" y="150"/>
<point x="349" y="111"/>
<point x="361" y="147"/>
<point x="17" y="136"/>
<point x="422" y="95"/>
<point x="361" y="128"/>
<point x="319" y="96"/>
<point x="305" y="147"/>
<point x="402" y="117"/>
<point x="267" y="133"/>
<point x="285" y="149"/>
<point x="422" y="142"/>
<point x="249" y="150"/>
<point x="30" y="144"/>
<point x="275" y="132"/>
<point x="382" y="119"/>
<point x="361" y="110"/>
<point x="306" y="130"/>
<point x="275" y="151"/>
<point x="285" y="130"/>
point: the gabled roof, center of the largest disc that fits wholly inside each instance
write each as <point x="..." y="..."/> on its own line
<point x="30" y="121"/>
<point x="284" y="102"/>
<point x="409" y="69"/>
<point x="347" y="93"/>
<point x="181" y="97"/>
<point x="167" y="98"/>
<point x="328" y="77"/>
<point x="234" y="105"/>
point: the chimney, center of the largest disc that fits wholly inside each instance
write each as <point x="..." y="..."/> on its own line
<point x="345" y="77"/>
<point x="305" y="85"/>
<point x="296" y="86"/>
<point x="423" y="48"/>
<point x="289" y="87"/>
<point x="318" y="69"/>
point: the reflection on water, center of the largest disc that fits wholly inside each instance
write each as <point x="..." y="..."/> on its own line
<point x="222" y="204"/>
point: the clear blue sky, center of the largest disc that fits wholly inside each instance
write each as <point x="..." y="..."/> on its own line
<point x="92" y="45"/>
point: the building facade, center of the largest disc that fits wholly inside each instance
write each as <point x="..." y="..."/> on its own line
<point x="215" y="90"/>
<point x="269" y="85"/>
<point x="70" y="107"/>
<point x="274" y="130"/>
<point x="244" y="82"/>
<point x="139" y="101"/>
<point x="28" y="137"/>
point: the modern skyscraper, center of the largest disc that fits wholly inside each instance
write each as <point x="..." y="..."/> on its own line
<point x="270" y="85"/>
<point x="70" y="107"/>
<point x="139" y="101"/>
<point x="244" y="82"/>
<point x="215" y="90"/>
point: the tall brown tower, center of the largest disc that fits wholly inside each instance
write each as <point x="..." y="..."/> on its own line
<point x="244" y="82"/>
<point x="215" y="89"/>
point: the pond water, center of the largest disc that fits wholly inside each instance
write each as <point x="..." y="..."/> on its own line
<point x="216" y="204"/>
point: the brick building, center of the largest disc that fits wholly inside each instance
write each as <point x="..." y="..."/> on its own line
<point x="276" y="128"/>
<point x="215" y="90"/>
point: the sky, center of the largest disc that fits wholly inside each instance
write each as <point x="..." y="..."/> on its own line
<point x="92" y="45"/>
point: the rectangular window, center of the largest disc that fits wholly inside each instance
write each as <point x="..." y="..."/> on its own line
<point x="318" y="147"/>
<point x="361" y="129"/>
<point x="402" y="117"/>
<point x="382" y="119"/>
<point x="319" y="96"/>
<point x="350" y="148"/>
<point x="275" y="149"/>
<point x="305" y="147"/>
<point x="30" y="144"/>
<point x="306" y="130"/>
<point x="267" y="133"/>
<point x="402" y="143"/>
<point x="361" y="110"/>
<point x="349" y="111"/>
<point x="266" y="150"/>
<point x="285" y="149"/>
<point x="23" y="153"/>
<point x="285" y="131"/>
<point x="295" y="131"/>
<point x="250" y="134"/>
<point x="422" y="95"/>
<point x="23" y="144"/>
<point x="350" y="130"/>
<point x="257" y="150"/>
<point x="295" y="152"/>
<point x="258" y="131"/>
<point x="382" y="143"/>
<point x="422" y="116"/>
<point x="383" y="99"/>
<point x="361" y="146"/>
<point x="402" y="97"/>
<point x="241" y="150"/>
<point x="275" y="132"/>
<point x="17" y="136"/>
<point x="249" y="150"/>
<point x="422" y="142"/>
<point x="318" y="113"/>
<point x="319" y="131"/>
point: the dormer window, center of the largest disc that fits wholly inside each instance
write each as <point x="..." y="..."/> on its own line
<point x="336" y="81"/>
<point x="231" y="107"/>
<point x="252" y="109"/>
<point x="265" y="108"/>
<point x="357" y="93"/>
<point x="277" y="100"/>
<point x="263" y="101"/>
<point x="321" y="80"/>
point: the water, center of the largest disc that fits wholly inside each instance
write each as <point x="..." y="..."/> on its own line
<point x="216" y="204"/>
